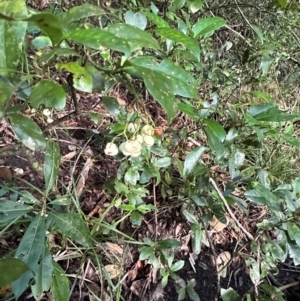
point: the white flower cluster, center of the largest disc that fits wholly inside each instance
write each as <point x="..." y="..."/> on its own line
<point x="132" y="147"/>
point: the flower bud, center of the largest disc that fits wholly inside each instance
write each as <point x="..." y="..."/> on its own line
<point x="148" y="140"/>
<point x="111" y="149"/>
<point x="147" y="130"/>
<point x="132" y="127"/>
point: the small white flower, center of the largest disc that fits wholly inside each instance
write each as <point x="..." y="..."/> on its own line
<point x="49" y="120"/>
<point x="148" y="140"/>
<point x="47" y="112"/>
<point x="131" y="148"/>
<point x="148" y="130"/>
<point x="139" y="138"/>
<point x="132" y="127"/>
<point x="111" y="149"/>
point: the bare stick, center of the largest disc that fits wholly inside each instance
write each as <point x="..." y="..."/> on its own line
<point x="229" y="210"/>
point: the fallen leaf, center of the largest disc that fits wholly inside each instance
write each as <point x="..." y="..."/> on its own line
<point x="84" y="175"/>
<point x="222" y="261"/>
<point x="217" y="226"/>
<point x="112" y="270"/>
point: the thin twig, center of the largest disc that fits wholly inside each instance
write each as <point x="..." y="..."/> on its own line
<point x="229" y="210"/>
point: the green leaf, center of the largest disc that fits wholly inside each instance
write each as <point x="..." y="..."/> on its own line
<point x="294" y="252"/>
<point x="135" y="37"/>
<point x="51" y="163"/>
<point x="259" y="33"/>
<point x="82" y="79"/>
<point x="163" y="162"/>
<point x="187" y="109"/>
<point x="145" y="253"/>
<point x="176" y="78"/>
<point x="12" y="269"/>
<point x="12" y="34"/>
<point x="111" y="105"/>
<point x="27" y="132"/>
<point x="136" y="19"/>
<point x="282" y="3"/>
<point x="29" y="251"/>
<point x="266" y="63"/>
<point x="94" y="38"/>
<point x="255" y="197"/>
<point x="216" y="128"/>
<point x="5" y="93"/>
<point x="291" y="140"/>
<point x="168" y="244"/>
<point x="80" y="12"/>
<point x="72" y="226"/>
<point x="192" y="159"/>
<point x="131" y="176"/>
<point x="192" y="294"/>
<point x="157" y="20"/>
<point x="159" y="88"/>
<point x="197" y="238"/>
<point x="43" y="274"/>
<point x="254" y="270"/>
<point x="230" y="295"/>
<point x="148" y="173"/>
<point x="294" y="232"/>
<point x="60" y="284"/>
<point x="177" y="266"/>
<point x="195" y="5"/>
<point x="208" y="25"/>
<point x="179" y="37"/>
<point x="48" y="94"/>
<point x="214" y="143"/>
<point x="49" y="24"/>
<point x="136" y="218"/>
<point x="10" y="210"/>
<point x="41" y="42"/>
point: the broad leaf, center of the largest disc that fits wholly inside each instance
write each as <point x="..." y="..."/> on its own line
<point x="94" y="38"/>
<point x="136" y="218"/>
<point x="27" y="132"/>
<point x="48" y="94"/>
<point x="168" y="244"/>
<point x="60" y="284"/>
<point x="43" y="274"/>
<point x="145" y="253"/>
<point x="157" y="20"/>
<point x="82" y="79"/>
<point x="51" y="164"/>
<point x="80" y="12"/>
<point x="259" y="33"/>
<point x="49" y="24"/>
<point x="179" y="37"/>
<point x="181" y="82"/>
<point x="10" y="210"/>
<point x="192" y="159"/>
<point x="135" y="37"/>
<point x="12" y="269"/>
<point x="266" y="63"/>
<point x="29" y="251"/>
<point x="208" y="25"/>
<point x="195" y="5"/>
<point x="216" y="128"/>
<point x="163" y="162"/>
<point x="230" y="295"/>
<point x="111" y="105"/>
<point x="12" y="34"/>
<point x="72" y="226"/>
<point x="215" y="143"/>
<point x="136" y="19"/>
<point x="5" y="93"/>
<point x="131" y="176"/>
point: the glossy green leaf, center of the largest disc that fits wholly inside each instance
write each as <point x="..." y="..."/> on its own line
<point x="259" y="33"/>
<point x="230" y="295"/>
<point x="131" y="176"/>
<point x="41" y="42"/>
<point x="82" y="79"/>
<point x="48" y="94"/>
<point x="195" y="5"/>
<point x="94" y="38"/>
<point x="135" y="37"/>
<point x="111" y="105"/>
<point x="176" y="5"/>
<point x="163" y="162"/>
<point x="60" y="284"/>
<point x="179" y="37"/>
<point x="157" y="20"/>
<point x="12" y="34"/>
<point x="208" y="25"/>
<point x="192" y="159"/>
<point x="29" y="251"/>
<point x="215" y="143"/>
<point x="136" y="218"/>
<point x="80" y="12"/>
<point x="148" y="173"/>
<point x="135" y="19"/>
<point x="43" y="274"/>
<point x="10" y="210"/>
<point x="27" y="132"/>
<point x="49" y="24"/>
<point x="12" y="269"/>
<point x="192" y="294"/>
<point x="159" y="88"/>
<point x="253" y="266"/>
<point x="294" y="232"/>
<point x="216" y="128"/>
<point x="51" y="164"/>
<point x="176" y="78"/>
<point x="72" y="226"/>
<point x="178" y="265"/>
<point x="294" y="252"/>
<point x="187" y="109"/>
<point x="145" y="253"/>
<point x="168" y="244"/>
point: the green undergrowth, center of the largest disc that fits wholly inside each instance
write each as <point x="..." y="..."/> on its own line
<point x="213" y="83"/>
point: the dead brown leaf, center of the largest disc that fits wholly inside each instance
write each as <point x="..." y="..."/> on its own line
<point x="84" y="175"/>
